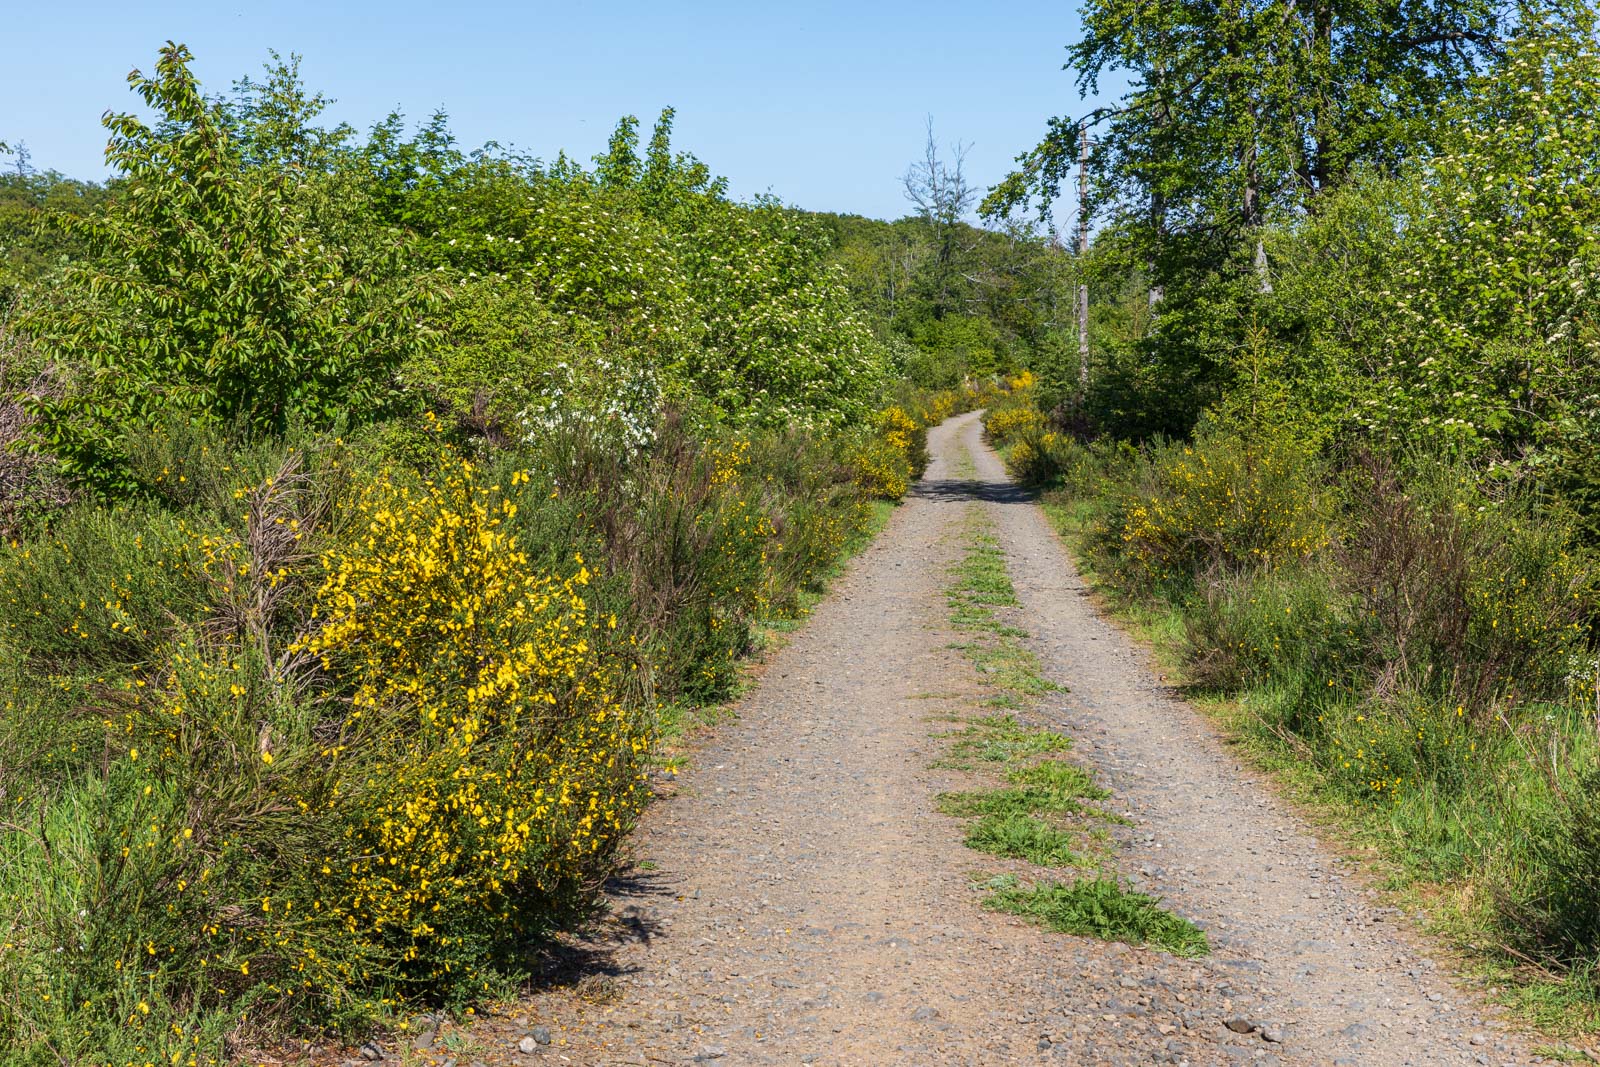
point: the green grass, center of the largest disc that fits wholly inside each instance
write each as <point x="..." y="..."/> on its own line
<point x="1025" y="837"/>
<point x="1099" y="907"/>
<point x="1052" y="787"/>
<point x="1058" y="778"/>
<point x="1000" y="739"/>
<point x="981" y="586"/>
<point x="1038" y="815"/>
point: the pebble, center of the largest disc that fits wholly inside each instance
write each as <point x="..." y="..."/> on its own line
<point x="540" y="1035"/>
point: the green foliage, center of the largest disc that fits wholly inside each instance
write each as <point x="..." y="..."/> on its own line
<point x="1024" y="837"/>
<point x="274" y="121"/>
<point x="1449" y="305"/>
<point x="1100" y="907"/>
<point x="422" y="483"/>
<point x="29" y="247"/>
<point x="1398" y="215"/>
<point x="1232" y="500"/>
<point x="210" y="294"/>
<point x="1235" y="112"/>
<point x="1429" y="667"/>
<point x="988" y="306"/>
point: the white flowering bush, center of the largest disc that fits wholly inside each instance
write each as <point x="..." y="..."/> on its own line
<point x="614" y="402"/>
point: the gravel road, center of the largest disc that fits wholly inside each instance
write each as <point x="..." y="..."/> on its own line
<point x="800" y="901"/>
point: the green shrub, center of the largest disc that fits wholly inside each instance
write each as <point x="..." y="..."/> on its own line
<point x="696" y="539"/>
<point x="100" y="590"/>
<point x="1228" y="502"/>
<point x="1289" y="627"/>
<point x="1477" y="599"/>
<point x="214" y="296"/>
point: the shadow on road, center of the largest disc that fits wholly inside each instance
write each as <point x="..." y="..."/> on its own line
<point x="971" y="489"/>
<point x="629" y="919"/>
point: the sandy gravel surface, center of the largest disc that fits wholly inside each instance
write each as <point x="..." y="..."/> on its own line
<point x="800" y="901"/>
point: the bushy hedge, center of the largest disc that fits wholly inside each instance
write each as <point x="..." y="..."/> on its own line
<point x="309" y="738"/>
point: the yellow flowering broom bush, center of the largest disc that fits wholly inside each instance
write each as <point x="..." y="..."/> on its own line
<point x="886" y="461"/>
<point x="1228" y="501"/>
<point x="1005" y="424"/>
<point x="507" y="770"/>
<point x="247" y="830"/>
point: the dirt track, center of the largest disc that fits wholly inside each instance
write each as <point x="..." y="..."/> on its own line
<point x="801" y="901"/>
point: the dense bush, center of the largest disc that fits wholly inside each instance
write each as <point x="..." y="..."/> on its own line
<point x="334" y="737"/>
<point x="215" y="291"/>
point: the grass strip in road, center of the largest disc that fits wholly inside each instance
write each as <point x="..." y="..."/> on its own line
<point x="1022" y="836"/>
<point x="1000" y="739"/>
<point x="1051" y="787"/>
<point x="1041" y="814"/>
<point x="981" y="588"/>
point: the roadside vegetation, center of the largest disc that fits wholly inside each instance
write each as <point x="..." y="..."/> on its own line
<point x="371" y="509"/>
<point x="1046" y="814"/>
<point x="1336" y="451"/>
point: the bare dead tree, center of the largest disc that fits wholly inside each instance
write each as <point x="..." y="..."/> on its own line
<point x="942" y="195"/>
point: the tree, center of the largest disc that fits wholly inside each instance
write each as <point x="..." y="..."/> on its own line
<point x="274" y="121"/>
<point x="1237" y="110"/>
<point x="211" y="295"/>
<point x="942" y="196"/>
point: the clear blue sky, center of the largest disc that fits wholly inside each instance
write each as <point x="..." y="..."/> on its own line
<point x="822" y="104"/>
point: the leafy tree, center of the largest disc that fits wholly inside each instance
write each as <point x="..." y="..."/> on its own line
<point x="1236" y="109"/>
<point x="1239" y="114"/>
<point x="274" y="121"/>
<point x="212" y="295"/>
<point x="1452" y="304"/>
